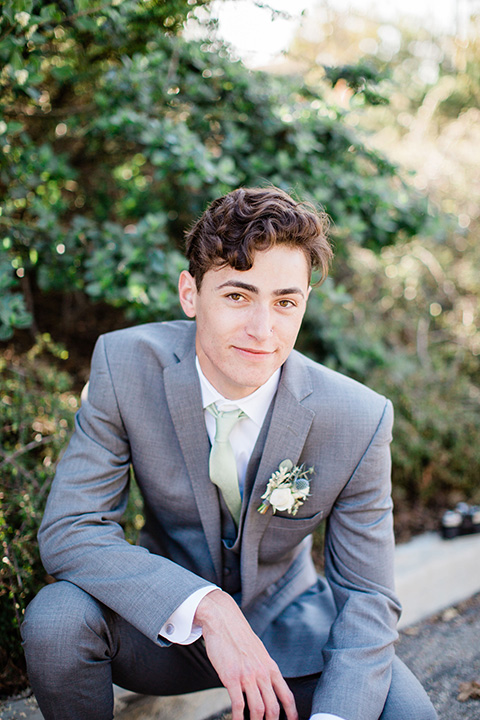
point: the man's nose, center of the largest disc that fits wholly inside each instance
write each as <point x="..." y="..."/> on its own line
<point x="260" y="323"/>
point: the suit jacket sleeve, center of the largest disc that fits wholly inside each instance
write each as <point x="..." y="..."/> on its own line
<point x="359" y="562"/>
<point x="81" y="539"/>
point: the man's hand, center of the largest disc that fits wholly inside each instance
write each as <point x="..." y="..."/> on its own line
<point x="241" y="660"/>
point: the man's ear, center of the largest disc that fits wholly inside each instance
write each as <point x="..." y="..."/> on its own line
<point x="187" y="292"/>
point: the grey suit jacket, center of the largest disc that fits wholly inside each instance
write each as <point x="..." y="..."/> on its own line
<point x="144" y="409"/>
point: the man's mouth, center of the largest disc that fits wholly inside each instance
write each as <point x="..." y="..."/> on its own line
<point x="255" y="352"/>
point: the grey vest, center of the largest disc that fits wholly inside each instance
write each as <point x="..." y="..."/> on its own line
<point x="231" y="541"/>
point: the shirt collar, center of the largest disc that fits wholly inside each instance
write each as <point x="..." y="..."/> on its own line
<point x="254" y="405"/>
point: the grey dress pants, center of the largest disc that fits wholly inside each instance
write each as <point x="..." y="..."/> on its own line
<point x="76" y="648"/>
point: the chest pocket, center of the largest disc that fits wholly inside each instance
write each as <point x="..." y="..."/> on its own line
<point x="284" y="533"/>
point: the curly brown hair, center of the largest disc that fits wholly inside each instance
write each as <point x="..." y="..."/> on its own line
<point x="236" y="226"/>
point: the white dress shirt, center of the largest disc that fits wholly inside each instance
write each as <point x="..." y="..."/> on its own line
<point x="180" y="628"/>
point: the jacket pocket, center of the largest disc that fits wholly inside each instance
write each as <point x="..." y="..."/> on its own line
<point x="292" y="522"/>
<point x="284" y="534"/>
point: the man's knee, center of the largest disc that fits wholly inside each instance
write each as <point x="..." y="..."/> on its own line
<point x="65" y="633"/>
<point x="57" y="620"/>
<point x="407" y="699"/>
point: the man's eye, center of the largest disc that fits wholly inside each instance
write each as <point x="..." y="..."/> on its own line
<point x="286" y="303"/>
<point x="235" y="296"/>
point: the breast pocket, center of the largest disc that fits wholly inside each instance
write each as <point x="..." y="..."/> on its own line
<point x="284" y="533"/>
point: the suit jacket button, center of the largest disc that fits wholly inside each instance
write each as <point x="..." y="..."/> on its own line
<point x="226" y="571"/>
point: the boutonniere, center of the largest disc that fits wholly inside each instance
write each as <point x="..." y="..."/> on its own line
<point x="287" y="489"/>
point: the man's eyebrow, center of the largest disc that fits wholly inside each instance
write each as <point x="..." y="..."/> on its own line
<point x="254" y="289"/>
<point x="289" y="291"/>
<point x="238" y="284"/>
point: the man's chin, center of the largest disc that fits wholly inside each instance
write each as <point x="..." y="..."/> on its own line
<point x="249" y="382"/>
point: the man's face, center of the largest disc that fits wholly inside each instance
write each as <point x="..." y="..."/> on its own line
<point x="247" y="321"/>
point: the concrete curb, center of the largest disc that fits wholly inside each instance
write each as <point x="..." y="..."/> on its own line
<point x="196" y="706"/>
<point x="129" y="706"/>
<point x="432" y="574"/>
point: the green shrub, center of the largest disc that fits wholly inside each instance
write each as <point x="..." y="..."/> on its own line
<point x="435" y="453"/>
<point x="113" y="141"/>
<point x="36" y="415"/>
<point x="399" y="323"/>
<point x="37" y="409"/>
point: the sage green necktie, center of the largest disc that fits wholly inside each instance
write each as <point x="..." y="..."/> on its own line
<point x="222" y="463"/>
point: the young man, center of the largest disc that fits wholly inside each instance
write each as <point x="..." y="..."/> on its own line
<point x="222" y="589"/>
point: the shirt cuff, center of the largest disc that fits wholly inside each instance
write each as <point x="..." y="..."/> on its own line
<point x="325" y="716"/>
<point x="180" y="628"/>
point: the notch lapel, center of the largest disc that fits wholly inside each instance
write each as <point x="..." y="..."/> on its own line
<point x="289" y="427"/>
<point x="182" y="388"/>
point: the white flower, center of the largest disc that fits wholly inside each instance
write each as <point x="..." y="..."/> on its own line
<point x="22" y="18"/>
<point x="21" y="76"/>
<point x="282" y="499"/>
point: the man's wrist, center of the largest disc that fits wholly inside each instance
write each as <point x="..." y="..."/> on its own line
<point x="207" y="612"/>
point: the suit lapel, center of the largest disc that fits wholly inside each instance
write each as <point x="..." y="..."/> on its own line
<point x="184" y="399"/>
<point x="289" y="427"/>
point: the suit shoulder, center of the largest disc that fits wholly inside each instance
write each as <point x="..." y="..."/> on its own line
<point x="162" y="340"/>
<point x="167" y="333"/>
<point x="342" y="392"/>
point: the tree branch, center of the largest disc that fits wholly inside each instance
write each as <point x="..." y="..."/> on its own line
<point x="21" y="451"/>
<point x="58" y="112"/>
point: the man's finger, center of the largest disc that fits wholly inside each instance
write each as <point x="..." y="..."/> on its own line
<point x="270" y="702"/>
<point x="286" y="698"/>
<point x="238" y="703"/>
<point x="256" y="704"/>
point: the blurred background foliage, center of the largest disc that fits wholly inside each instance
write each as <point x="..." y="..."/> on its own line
<point x="416" y="301"/>
<point x="116" y="131"/>
<point x="37" y="408"/>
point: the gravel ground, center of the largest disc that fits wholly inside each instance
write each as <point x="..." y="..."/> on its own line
<point x="444" y="652"/>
